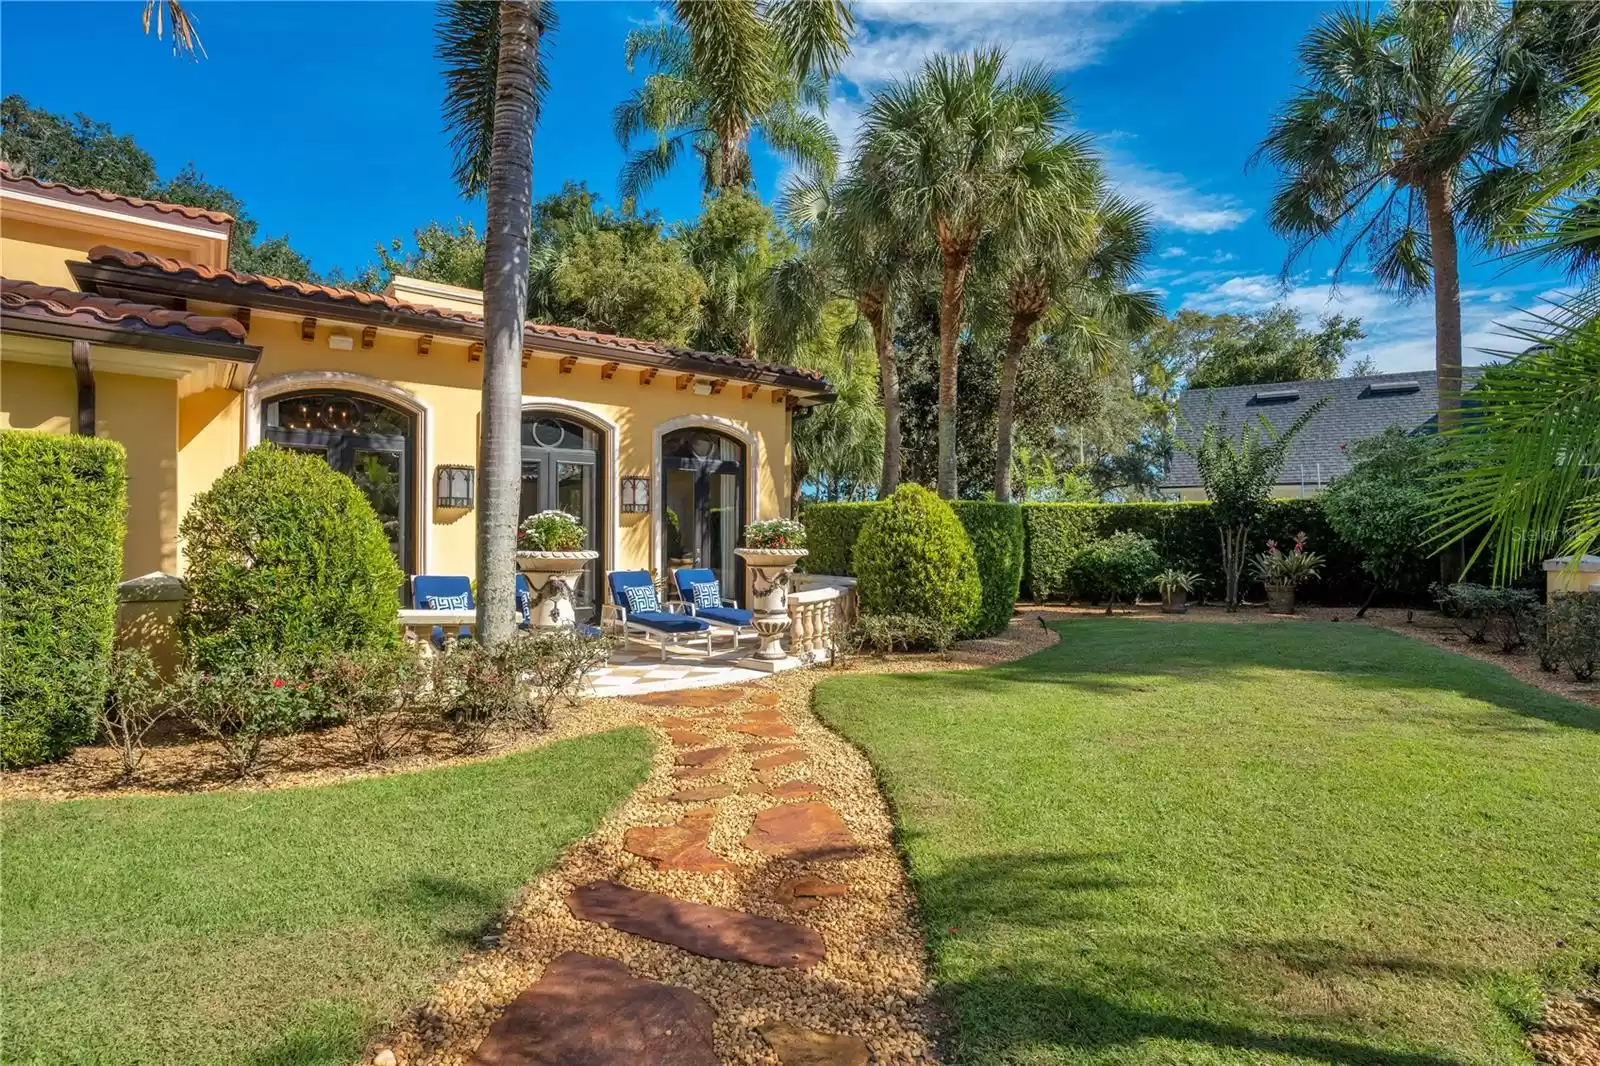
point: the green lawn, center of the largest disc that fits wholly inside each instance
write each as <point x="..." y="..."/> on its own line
<point x="1256" y="843"/>
<point x="276" y="927"/>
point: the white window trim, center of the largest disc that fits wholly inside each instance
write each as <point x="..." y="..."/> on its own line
<point x="609" y="464"/>
<point x="752" y="451"/>
<point x="258" y="393"/>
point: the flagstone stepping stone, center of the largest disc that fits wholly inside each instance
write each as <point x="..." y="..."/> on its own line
<point x="703" y="757"/>
<point x="802" y="831"/>
<point x="795" y="1046"/>
<point x="685" y="738"/>
<point x="674" y="721"/>
<point x="793" y="790"/>
<point x="766" y="698"/>
<point x="806" y="891"/>
<point x="787" y="757"/>
<point x="714" y="932"/>
<point x="690" y="697"/>
<point x="691" y="773"/>
<point x="776" y="730"/>
<point x="702" y="795"/>
<point x="592" y="1010"/>
<point x="678" y="847"/>
<point x="763" y="716"/>
<point x="761" y="747"/>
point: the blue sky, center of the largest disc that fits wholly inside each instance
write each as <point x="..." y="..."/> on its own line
<point x="324" y="118"/>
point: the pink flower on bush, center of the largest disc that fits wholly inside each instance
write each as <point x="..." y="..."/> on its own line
<point x="277" y="682"/>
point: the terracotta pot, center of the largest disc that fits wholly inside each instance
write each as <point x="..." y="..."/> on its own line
<point x="553" y="579"/>
<point x="1280" y="599"/>
<point x="1175" y="602"/>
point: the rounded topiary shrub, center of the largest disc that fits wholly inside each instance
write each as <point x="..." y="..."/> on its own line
<point x="288" y="561"/>
<point x="914" y="558"/>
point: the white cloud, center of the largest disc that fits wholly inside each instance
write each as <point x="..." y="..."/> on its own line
<point x="1175" y="202"/>
<point x="1174" y="253"/>
<point x="1400" y="335"/>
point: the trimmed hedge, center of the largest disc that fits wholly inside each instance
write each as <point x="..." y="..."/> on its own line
<point x="997" y="534"/>
<point x="995" y="529"/>
<point x="63" y="504"/>
<point x="287" y="561"/>
<point x="914" y="558"/>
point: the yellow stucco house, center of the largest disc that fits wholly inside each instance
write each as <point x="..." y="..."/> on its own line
<point x="119" y="317"/>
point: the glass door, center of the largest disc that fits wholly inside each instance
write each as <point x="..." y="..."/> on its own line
<point x="703" y="505"/>
<point x="560" y="472"/>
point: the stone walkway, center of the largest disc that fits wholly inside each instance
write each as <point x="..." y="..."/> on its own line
<point x="744" y="906"/>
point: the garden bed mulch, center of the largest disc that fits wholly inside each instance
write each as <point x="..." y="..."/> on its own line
<point x="1429" y="626"/>
<point x="723" y="843"/>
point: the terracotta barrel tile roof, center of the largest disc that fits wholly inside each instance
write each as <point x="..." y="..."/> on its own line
<point x="67" y="305"/>
<point x="196" y="214"/>
<point x="144" y="261"/>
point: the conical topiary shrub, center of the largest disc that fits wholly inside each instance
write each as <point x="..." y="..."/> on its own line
<point x="914" y="558"/>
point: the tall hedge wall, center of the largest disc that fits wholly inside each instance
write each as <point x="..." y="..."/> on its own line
<point x="995" y="529"/>
<point x="1184" y="533"/>
<point x="63" y="502"/>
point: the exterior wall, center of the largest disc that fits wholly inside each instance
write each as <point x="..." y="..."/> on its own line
<point x="39" y="252"/>
<point x="37" y="397"/>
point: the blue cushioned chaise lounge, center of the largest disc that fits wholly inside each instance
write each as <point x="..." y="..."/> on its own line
<point x="652" y="623"/>
<point x="725" y="615"/>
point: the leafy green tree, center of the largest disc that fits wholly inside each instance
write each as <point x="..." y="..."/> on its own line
<point x="646" y="290"/>
<point x="734" y="245"/>
<point x="1215" y="351"/>
<point x="839" y="446"/>
<point x="724" y="69"/>
<point x="1237" y="480"/>
<point x="494" y="83"/>
<point x="1393" y="122"/>
<point x="959" y="150"/>
<point x="1382" y="506"/>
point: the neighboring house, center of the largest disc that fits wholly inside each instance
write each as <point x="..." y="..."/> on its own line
<point x="1357" y="408"/>
<point x="119" y="318"/>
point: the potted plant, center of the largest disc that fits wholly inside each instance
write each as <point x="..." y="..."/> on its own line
<point x="1175" y="586"/>
<point x="552" y="555"/>
<point x="770" y="551"/>
<point x="1282" y="572"/>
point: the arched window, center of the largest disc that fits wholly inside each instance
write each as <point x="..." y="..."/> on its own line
<point x="366" y="439"/>
<point x="561" y="472"/>
<point x="703" y="504"/>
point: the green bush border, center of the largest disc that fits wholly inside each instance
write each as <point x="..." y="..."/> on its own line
<point x="999" y="541"/>
<point x="63" y="506"/>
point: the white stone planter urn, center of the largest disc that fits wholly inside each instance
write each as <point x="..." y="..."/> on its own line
<point x="553" y="579"/>
<point x="771" y="570"/>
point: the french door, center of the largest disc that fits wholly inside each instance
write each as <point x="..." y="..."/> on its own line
<point x="560" y="472"/>
<point x="703" y="505"/>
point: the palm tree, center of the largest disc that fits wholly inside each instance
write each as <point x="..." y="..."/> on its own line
<point x="494" y="83"/>
<point x="1070" y="272"/>
<point x="850" y="254"/>
<point x="1382" y="144"/>
<point x="185" y="41"/>
<point x="958" y="150"/>
<point x="723" y="69"/>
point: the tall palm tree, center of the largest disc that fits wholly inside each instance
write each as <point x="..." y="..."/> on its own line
<point x="854" y="254"/>
<point x="723" y="69"/>
<point x="494" y="83"/>
<point x="958" y="150"/>
<point x="1070" y="272"/>
<point x="1381" y="144"/>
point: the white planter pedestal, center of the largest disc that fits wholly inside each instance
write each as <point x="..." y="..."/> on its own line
<point x="553" y="579"/>
<point x="769" y="574"/>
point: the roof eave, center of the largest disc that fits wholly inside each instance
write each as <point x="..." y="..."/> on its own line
<point x="175" y="343"/>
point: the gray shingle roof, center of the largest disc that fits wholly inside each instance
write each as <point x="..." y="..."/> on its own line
<point x="1359" y="408"/>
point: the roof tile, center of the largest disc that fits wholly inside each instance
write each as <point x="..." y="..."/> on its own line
<point x="67" y="305"/>
<point x="197" y="214"/>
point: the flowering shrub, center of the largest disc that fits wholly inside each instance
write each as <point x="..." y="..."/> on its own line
<point x="243" y="706"/>
<point x="1287" y="569"/>
<point x="551" y="531"/>
<point x="775" y="533"/>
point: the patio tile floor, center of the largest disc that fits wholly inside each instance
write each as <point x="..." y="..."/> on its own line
<point x="634" y="671"/>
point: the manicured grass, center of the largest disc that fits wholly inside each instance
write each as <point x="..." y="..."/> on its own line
<point x="1255" y="843"/>
<point x="275" y="927"/>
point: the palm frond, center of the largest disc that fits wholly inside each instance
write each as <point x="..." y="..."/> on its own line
<point x="185" y="39"/>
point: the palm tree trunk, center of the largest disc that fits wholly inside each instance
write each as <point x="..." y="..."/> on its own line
<point x="505" y="299"/>
<point x="1011" y="362"/>
<point x="952" y="293"/>
<point x="1446" y="330"/>
<point x="879" y="318"/>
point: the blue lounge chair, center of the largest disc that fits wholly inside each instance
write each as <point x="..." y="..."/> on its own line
<point x="430" y="592"/>
<point x="525" y="611"/>
<point x="663" y="626"/>
<point x="725" y="615"/>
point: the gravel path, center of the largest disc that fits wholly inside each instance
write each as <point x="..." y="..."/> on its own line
<point x="872" y="983"/>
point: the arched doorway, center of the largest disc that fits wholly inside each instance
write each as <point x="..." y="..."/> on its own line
<point x="561" y="472"/>
<point x="364" y="438"/>
<point x="703" y="504"/>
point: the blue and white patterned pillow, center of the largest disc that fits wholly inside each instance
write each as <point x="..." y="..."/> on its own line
<point x="524" y="603"/>
<point x="707" y="593"/>
<point x="448" y="603"/>
<point x="642" y="598"/>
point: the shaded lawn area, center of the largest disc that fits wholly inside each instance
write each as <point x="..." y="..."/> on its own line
<point x="278" y="927"/>
<point x="1252" y="843"/>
